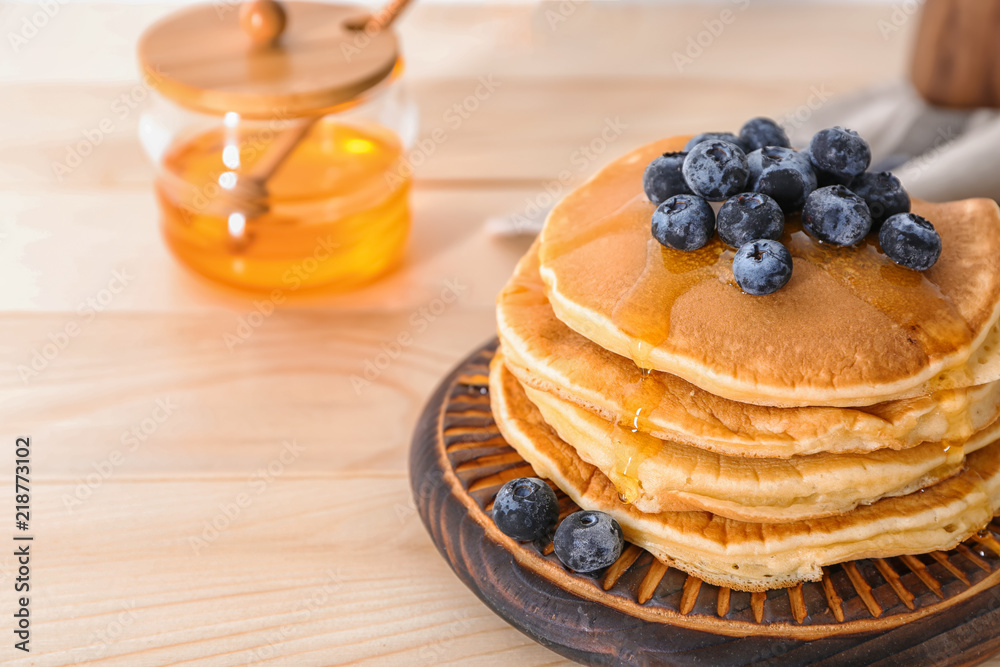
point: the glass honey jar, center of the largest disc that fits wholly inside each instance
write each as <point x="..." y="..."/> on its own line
<point x="280" y="135"/>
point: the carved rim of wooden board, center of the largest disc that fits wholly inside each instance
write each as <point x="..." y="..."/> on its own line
<point x="459" y="456"/>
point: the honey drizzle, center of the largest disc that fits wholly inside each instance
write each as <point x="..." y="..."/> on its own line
<point x="646" y="308"/>
<point x="643" y="304"/>
<point x="644" y="312"/>
<point x="955" y="405"/>
<point x="909" y="298"/>
<point x="558" y="244"/>
<point x="630" y="435"/>
<point x="953" y="452"/>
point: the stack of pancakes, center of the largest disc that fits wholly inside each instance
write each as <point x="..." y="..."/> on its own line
<point x="752" y="440"/>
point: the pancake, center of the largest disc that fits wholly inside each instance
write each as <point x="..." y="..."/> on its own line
<point x="851" y="328"/>
<point x="756" y="556"/>
<point x="658" y="476"/>
<point x="546" y="354"/>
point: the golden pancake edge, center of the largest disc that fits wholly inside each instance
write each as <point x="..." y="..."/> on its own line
<point x="850" y="328"/>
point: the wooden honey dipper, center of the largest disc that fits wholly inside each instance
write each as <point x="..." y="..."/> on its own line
<point x="264" y="21"/>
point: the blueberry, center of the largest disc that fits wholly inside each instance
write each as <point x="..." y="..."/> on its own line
<point x="716" y="170"/>
<point x="663" y="178"/>
<point x="762" y="266"/>
<point x="883" y="193"/>
<point x="839" y="152"/>
<point x="749" y="216"/>
<point x="526" y="509"/>
<point x="759" y="132"/>
<point x="714" y="136"/>
<point x="588" y="541"/>
<point x="825" y="179"/>
<point x="910" y="240"/>
<point x="684" y="222"/>
<point x="783" y="174"/>
<point x="836" y="215"/>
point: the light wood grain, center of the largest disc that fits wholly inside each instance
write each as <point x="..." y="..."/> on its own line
<point x="118" y="227"/>
<point x="501" y="140"/>
<point x="343" y="504"/>
<point x="310" y="597"/>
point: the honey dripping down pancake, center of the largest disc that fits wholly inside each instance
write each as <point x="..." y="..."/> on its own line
<point x="545" y="354"/>
<point x="656" y="475"/>
<point x="758" y="556"/>
<point x="851" y="328"/>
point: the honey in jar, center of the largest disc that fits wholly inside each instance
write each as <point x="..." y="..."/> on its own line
<point x="275" y="179"/>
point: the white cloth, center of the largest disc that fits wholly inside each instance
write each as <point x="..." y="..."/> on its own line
<point x="939" y="154"/>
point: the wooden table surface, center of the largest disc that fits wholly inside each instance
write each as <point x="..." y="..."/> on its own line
<point x="202" y="503"/>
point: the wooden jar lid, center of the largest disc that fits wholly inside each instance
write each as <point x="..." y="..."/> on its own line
<point x="204" y="59"/>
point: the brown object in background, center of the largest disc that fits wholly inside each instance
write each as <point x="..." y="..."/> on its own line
<point x="956" y="58"/>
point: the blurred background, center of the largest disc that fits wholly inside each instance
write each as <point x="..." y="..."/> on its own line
<point x="221" y="476"/>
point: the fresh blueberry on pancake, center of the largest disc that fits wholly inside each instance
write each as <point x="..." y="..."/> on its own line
<point x="716" y="170"/>
<point x="911" y="241"/>
<point x="836" y="215"/>
<point x="883" y="193"/>
<point x="664" y="178"/>
<point x="749" y="216"/>
<point x="757" y="133"/>
<point x="684" y="222"/>
<point x="783" y="174"/>
<point x="840" y="152"/>
<point x="762" y="267"/>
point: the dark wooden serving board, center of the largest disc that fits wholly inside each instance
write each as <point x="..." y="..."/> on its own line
<point x="936" y="609"/>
